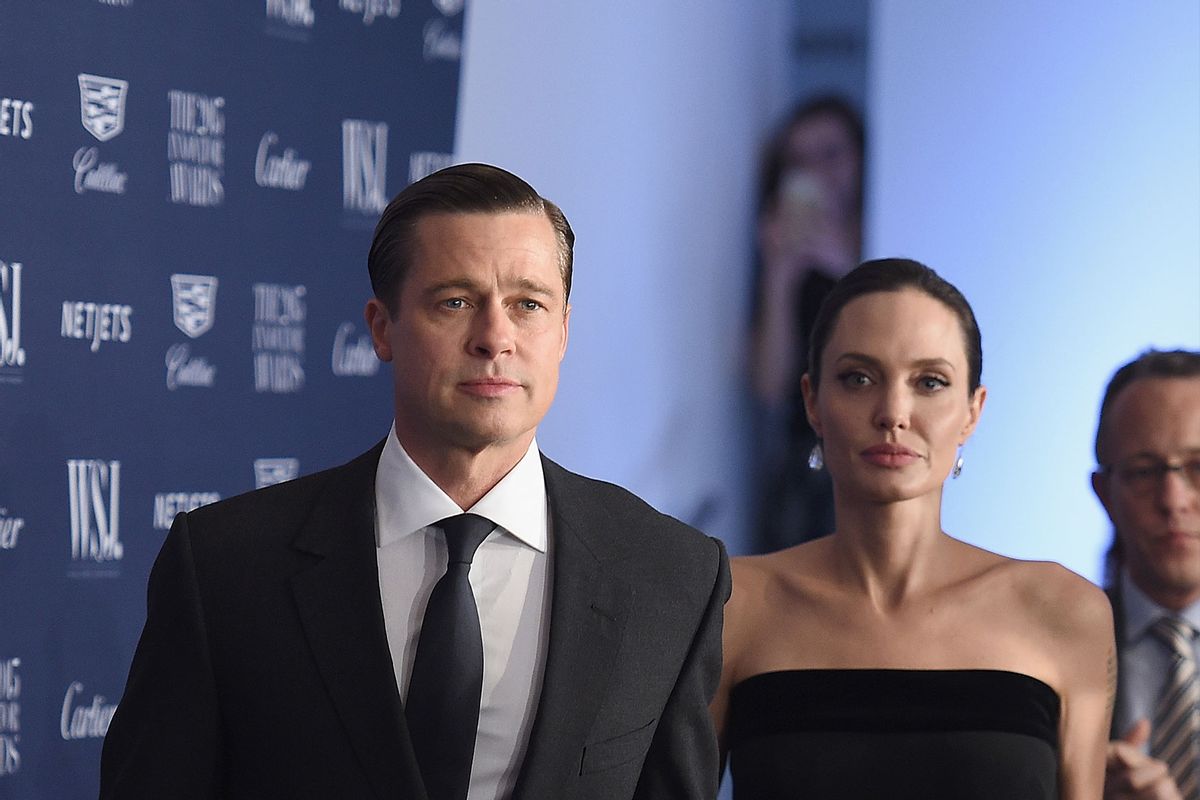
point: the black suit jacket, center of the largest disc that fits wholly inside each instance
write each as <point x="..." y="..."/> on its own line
<point x="263" y="670"/>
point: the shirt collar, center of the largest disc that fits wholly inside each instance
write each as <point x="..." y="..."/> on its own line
<point x="407" y="500"/>
<point x="1141" y="612"/>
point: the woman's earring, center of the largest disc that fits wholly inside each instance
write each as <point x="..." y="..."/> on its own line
<point x="816" y="458"/>
<point x="958" y="464"/>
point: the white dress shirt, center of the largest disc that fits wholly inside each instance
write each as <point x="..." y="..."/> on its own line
<point x="1145" y="658"/>
<point x="509" y="578"/>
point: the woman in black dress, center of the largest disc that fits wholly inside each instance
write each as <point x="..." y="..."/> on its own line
<point x="889" y="660"/>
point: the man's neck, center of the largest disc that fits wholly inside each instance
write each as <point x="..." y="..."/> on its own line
<point x="467" y="475"/>
<point x="1170" y="599"/>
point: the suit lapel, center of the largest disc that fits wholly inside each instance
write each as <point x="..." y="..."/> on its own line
<point x="340" y="609"/>
<point x="587" y="615"/>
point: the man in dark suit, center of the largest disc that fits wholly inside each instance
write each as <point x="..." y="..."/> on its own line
<point x="289" y="650"/>
<point x="1148" y="448"/>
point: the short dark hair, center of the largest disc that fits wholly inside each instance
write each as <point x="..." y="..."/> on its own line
<point x="460" y="189"/>
<point x="894" y="275"/>
<point x="1150" y="364"/>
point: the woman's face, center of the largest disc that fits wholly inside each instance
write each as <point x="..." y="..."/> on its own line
<point x="894" y="403"/>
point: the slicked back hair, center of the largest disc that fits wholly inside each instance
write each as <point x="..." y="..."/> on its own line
<point x="894" y="275"/>
<point x="461" y="189"/>
<point x="1150" y="364"/>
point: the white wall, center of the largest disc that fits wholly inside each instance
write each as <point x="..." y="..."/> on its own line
<point x="1045" y="157"/>
<point x="642" y="120"/>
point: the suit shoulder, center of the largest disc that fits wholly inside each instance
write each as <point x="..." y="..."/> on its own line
<point x="626" y="515"/>
<point x="285" y="505"/>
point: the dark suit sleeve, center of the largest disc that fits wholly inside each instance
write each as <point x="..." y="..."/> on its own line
<point x="682" y="763"/>
<point x="164" y="738"/>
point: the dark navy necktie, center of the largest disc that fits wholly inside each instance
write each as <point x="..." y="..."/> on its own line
<point x="444" y="690"/>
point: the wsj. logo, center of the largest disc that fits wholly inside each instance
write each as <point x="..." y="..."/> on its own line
<point x="95" y="492"/>
<point x="10" y="716"/>
<point x="270" y="471"/>
<point x="364" y="165"/>
<point x="370" y="9"/>
<point x="100" y="322"/>
<point x="279" y="172"/>
<point x="10" y="529"/>
<point x="12" y="355"/>
<point x="292" y="12"/>
<point x="16" y="118"/>
<point x="426" y="162"/>
<point x="353" y="357"/>
<point x="102" y="105"/>
<point x="83" y="720"/>
<point x="194" y="298"/>
<point x="168" y="504"/>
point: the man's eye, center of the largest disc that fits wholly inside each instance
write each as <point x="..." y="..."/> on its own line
<point x="454" y="302"/>
<point x="530" y="305"/>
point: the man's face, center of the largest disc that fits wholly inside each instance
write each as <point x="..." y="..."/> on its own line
<point x="479" y="331"/>
<point x="1155" y="422"/>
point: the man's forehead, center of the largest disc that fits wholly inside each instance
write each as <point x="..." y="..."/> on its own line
<point x="1156" y="413"/>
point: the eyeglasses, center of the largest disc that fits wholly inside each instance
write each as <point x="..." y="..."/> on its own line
<point x="1147" y="476"/>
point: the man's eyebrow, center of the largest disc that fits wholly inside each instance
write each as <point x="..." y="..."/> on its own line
<point x="535" y="287"/>
<point x="452" y="283"/>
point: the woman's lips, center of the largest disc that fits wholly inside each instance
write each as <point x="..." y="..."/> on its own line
<point x="891" y="456"/>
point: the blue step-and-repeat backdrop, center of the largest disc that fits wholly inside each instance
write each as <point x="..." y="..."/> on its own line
<point x="187" y="195"/>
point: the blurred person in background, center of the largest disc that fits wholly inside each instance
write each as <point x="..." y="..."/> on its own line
<point x="809" y="235"/>
<point x="1148" y="449"/>
<point x="890" y="659"/>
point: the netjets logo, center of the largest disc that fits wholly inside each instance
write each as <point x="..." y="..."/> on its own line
<point x="270" y="471"/>
<point x="102" y="105"/>
<point x="194" y="298"/>
<point x="364" y="165"/>
<point x="95" y="491"/>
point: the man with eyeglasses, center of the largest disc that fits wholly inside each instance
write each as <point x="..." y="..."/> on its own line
<point x="1148" y="449"/>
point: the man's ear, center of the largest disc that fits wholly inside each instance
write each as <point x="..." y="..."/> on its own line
<point x="379" y="323"/>
<point x="1103" y="489"/>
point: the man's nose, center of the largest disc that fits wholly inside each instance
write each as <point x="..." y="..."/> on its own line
<point x="492" y="331"/>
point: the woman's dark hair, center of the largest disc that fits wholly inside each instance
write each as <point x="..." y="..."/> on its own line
<point x="461" y="189"/>
<point x="894" y="275"/>
<point x="774" y="164"/>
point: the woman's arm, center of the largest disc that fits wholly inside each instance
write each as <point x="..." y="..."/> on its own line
<point x="1086" y="651"/>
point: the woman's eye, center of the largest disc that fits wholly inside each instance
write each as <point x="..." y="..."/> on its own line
<point x="932" y="383"/>
<point x="853" y="379"/>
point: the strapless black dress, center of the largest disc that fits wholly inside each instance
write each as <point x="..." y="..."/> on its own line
<point x="894" y="734"/>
